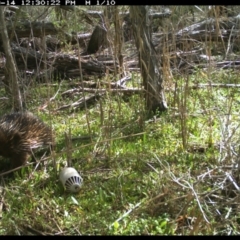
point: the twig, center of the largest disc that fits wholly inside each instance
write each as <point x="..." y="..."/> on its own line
<point x="126" y="213"/>
<point x="232" y="181"/>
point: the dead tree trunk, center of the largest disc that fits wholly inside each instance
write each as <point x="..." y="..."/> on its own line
<point x="152" y="77"/>
<point x="11" y="83"/>
<point x="118" y="41"/>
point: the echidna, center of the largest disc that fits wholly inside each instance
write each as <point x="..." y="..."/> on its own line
<point x="20" y="132"/>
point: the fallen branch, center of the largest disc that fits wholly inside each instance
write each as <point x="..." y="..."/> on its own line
<point x="220" y="85"/>
<point x="81" y="102"/>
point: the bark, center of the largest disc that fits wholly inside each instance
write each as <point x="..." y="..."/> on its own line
<point x="11" y="82"/>
<point x="152" y="76"/>
<point x="118" y="40"/>
<point x="98" y="40"/>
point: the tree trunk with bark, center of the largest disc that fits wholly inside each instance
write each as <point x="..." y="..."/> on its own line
<point x="11" y="82"/>
<point x="148" y="61"/>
